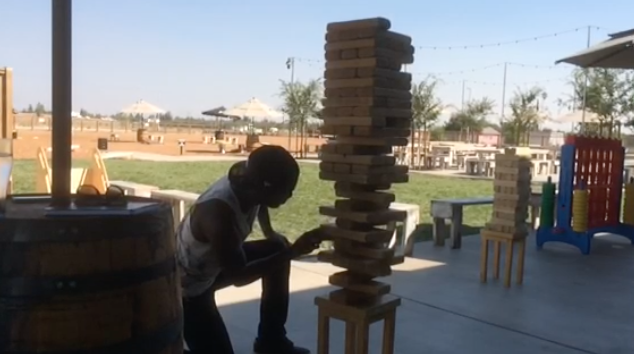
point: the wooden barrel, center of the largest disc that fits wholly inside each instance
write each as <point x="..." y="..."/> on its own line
<point x="104" y="283"/>
<point x="141" y="135"/>
<point x="252" y="139"/>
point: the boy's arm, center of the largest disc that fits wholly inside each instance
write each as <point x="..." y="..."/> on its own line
<point x="264" y="219"/>
<point x="213" y="220"/>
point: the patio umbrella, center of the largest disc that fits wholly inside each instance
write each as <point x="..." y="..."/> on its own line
<point x="254" y="108"/>
<point x="218" y="112"/>
<point x="614" y="53"/>
<point x="143" y="108"/>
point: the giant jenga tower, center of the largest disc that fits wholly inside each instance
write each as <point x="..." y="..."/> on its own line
<point x="511" y="199"/>
<point x="367" y="106"/>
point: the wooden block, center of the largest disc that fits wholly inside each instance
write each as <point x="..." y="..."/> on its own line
<point x="360" y="205"/>
<point x="375" y="52"/>
<point x="349" y="190"/>
<point x="385" y="74"/>
<point x="365" y="266"/>
<point x="374" y="218"/>
<point x="355" y="121"/>
<point x="338" y="74"/>
<point x="401" y="95"/>
<point x="360" y="283"/>
<point x="371" y="101"/>
<point x="383" y="63"/>
<point x="352" y="34"/>
<point x="379" y="23"/>
<point x="370" y="234"/>
<point x="342" y="168"/>
<point x="326" y="166"/>
<point x="371" y="160"/>
<point x="372" y="141"/>
<point x="336" y="147"/>
<point x="365" y="250"/>
<point x="372" y="170"/>
<point x="364" y="179"/>
<point x="374" y="132"/>
<point x="366" y="111"/>
<point x="395" y="84"/>
<point x="383" y="39"/>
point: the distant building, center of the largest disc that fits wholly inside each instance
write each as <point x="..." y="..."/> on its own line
<point x="546" y="138"/>
<point x="490" y="137"/>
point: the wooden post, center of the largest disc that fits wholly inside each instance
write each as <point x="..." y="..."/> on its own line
<point x="7" y="124"/>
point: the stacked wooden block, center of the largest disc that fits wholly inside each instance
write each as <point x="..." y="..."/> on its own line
<point x="367" y="107"/>
<point x="512" y="194"/>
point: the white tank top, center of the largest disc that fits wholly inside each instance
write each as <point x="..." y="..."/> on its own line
<point x="197" y="262"/>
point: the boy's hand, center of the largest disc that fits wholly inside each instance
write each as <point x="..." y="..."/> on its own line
<point x="308" y="242"/>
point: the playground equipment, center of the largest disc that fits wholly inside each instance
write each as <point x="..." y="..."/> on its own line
<point x="95" y="175"/>
<point x="590" y="191"/>
<point x="6" y="103"/>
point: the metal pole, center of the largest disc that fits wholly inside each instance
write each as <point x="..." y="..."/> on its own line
<point x="503" y="91"/>
<point x="462" y="99"/>
<point x="292" y="66"/>
<point x="62" y="102"/>
<point x="585" y="84"/>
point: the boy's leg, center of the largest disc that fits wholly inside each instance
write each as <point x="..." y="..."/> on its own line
<point x="204" y="329"/>
<point x="274" y="301"/>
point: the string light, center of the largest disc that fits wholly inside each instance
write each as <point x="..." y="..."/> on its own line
<point x="487" y="67"/>
<point x="510" y="83"/>
<point x="511" y="42"/>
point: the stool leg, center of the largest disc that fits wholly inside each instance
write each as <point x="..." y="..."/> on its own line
<point x="496" y="259"/>
<point x="351" y="336"/>
<point x="363" y="338"/>
<point x="484" y="259"/>
<point x="389" y="331"/>
<point x="509" y="264"/>
<point x="520" y="262"/>
<point x="323" y="334"/>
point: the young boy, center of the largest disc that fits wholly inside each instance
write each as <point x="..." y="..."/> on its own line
<point x="213" y="254"/>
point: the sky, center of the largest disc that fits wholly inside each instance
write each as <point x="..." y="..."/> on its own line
<point x="191" y="55"/>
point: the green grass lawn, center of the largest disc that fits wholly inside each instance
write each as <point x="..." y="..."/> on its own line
<point x="300" y="214"/>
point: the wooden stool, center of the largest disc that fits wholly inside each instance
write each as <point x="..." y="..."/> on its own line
<point x="358" y="318"/>
<point x="497" y="240"/>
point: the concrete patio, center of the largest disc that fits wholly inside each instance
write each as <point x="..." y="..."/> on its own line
<point x="569" y="303"/>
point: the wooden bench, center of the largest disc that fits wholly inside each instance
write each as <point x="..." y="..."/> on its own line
<point x="135" y="189"/>
<point x="452" y="209"/>
<point x="178" y="200"/>
<point x="402" y="242"/>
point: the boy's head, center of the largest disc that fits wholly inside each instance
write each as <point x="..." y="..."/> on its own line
<point x="270" y="175"/>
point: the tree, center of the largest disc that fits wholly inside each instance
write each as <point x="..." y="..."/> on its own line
<point x="609" y="94"/>
<point x="30" y="109"/>
<point x="426" y="106"/>
<point x="39" y="109"/>
<point x="525" y="115"/>
<point x="472" y="117"/>
<point x="301" y="102"/>
<point x="166" y="117"/>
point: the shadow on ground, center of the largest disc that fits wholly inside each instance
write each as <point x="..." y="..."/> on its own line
<point x="569" y="303"/>
<point x="425" y="232"/>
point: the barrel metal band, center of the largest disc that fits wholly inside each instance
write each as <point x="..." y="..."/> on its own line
<point x="151" y="343"/>
<point x="38" y="287"/>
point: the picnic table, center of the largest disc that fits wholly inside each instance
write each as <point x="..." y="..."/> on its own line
<point x="452" y="209"/>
